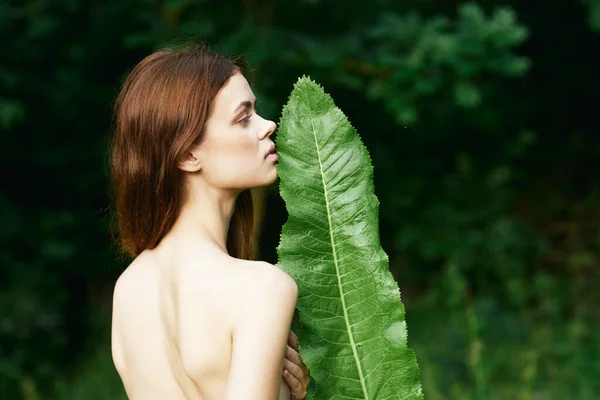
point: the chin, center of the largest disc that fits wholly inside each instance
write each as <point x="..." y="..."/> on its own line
<point x="272" y="177"/>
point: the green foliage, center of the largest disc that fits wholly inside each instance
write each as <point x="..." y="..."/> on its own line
<point x="486" y="171"/>
<point x="353" y="331"/>
<point x="436" y="52"/>
<point x="594" y="13"/>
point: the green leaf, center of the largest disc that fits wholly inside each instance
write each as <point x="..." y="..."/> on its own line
<point x="467" y="95"/>
<point x="353" y="333"/>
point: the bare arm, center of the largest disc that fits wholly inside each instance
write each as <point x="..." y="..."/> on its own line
<point x="260" y="336"/>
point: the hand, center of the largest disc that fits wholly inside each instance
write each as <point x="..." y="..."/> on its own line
<point x="295" y="372"/>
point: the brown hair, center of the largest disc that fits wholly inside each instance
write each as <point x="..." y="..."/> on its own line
<point x="159" y="114"/>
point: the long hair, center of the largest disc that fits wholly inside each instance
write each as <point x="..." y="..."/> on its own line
<point x="160" y="113"/>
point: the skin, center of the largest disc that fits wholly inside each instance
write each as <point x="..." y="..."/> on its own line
<point x="192" y="322"/>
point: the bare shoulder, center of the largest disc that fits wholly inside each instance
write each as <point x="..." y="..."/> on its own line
<point x="224" y="281"/>
<point x="133" y="278"/>
<point x="126" y="281"/>
<point x="126" y="290"/>
<point x="259" y="278"/>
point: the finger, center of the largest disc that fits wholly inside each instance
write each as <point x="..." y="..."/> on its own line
<point x="293" y="340"/>
<point x="298" y="391"/>
<point x="293" y="356"/>
<point x="294" y="370"/>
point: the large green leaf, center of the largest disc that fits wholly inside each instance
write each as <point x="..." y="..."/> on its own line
<point x="353" y="334"/>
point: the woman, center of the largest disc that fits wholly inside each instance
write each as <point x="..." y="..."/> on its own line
<point x="193" y="316"/>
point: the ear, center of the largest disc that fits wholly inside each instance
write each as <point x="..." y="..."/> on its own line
<point x="190" y="162"/>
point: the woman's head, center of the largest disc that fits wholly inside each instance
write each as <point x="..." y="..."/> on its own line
<point x="232" y="153"/>
<point x="177" y="124"/>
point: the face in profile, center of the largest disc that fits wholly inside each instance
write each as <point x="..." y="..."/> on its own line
<point x="236" y="151"/>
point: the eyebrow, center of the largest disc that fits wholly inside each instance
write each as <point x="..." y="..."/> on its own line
<point x="246" y="104"/>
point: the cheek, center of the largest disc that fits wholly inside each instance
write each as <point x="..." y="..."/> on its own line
<point x="238" y="144"/>
<point x="247" y="143"/>
<point x="235" y="150"/>
<point x="230" y="142"/>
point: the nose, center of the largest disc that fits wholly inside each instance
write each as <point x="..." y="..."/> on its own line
<point x="267" y="129"/>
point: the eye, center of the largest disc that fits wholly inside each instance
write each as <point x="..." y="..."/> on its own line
<point x="246" y="120"/>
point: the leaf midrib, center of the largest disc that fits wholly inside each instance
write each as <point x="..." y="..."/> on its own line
<point x="335" y="259"/>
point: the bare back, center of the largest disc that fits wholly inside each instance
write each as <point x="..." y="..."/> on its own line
<point x="173" y="322"/>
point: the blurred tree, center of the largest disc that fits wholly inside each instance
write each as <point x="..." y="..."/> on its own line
<point x="594" y="11"/>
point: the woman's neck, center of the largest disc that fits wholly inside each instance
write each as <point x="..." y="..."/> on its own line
<point x="206" y="216"/>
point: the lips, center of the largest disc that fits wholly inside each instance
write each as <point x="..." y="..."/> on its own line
<point x="271" y="150"/>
